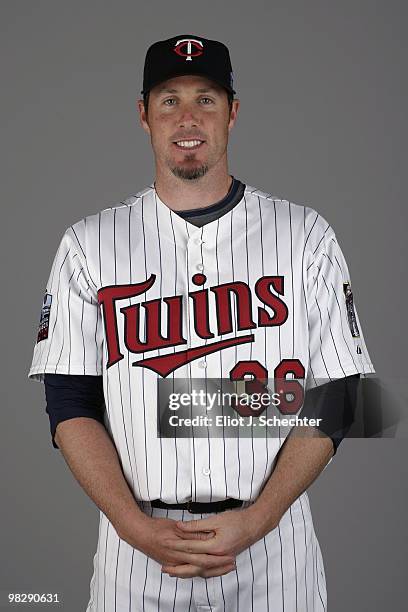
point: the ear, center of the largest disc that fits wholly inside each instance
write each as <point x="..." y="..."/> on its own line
<point x="143" y="116"/>
<point x="233" y="114"/>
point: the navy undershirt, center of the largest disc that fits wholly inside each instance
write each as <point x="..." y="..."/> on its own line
<point x="71" y="395"/>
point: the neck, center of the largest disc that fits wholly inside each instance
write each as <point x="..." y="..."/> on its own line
<point x="181" y="194"/>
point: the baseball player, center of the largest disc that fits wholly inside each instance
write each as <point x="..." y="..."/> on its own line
<point x="197" y="276"/>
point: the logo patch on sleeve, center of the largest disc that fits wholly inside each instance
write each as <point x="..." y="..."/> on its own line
<point x="44" y="318"/>
<point x="351" y="315"/>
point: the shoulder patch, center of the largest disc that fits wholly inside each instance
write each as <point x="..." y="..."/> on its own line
<point x="44" y="318"/>
<point x="351" y="315"/>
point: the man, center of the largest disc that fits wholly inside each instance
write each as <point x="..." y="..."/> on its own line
<point x="197" y="276"/>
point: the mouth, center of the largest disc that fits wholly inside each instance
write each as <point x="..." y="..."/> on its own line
<point x="189" y="145"/>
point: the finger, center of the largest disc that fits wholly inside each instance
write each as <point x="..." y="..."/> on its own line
<point x="182" y="571"/>
<point x="216" y="561"/>
<point x="219" y="571"/>
<point x="195" y="546"/>
<point x="203" y="560"/>
<point x="195" y="535"/>
<point x="206" y="524"/>
<point x="189" y="571"/>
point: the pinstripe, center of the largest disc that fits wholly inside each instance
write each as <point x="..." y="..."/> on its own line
<point x="83" y="252"/>
<point x="161" y="579"/>
<point x="293" y="317"/>
<point x="222" y="592"/>
<point x="69" y="329"/>
<point x="82" y="326"/>
<point x="130" y="581"/>
<point x="280" y="357"/>
<point x="193" y="484"/>
<point x="281" y="567"/>
<point x="95" y="577"/>
<point x="314" y="573"/>
<point x="320" y="330"/>
<point x="118" y="369"/>
<point x="96" y="334"/>
<point x="116" y="572"/>
<point x="56" y="314"/>
<point x="146" y="571"/>
<point x="304" y="530"/>
<point x="99" y="554"/>
<point x="143" y="383"/>
<point x="294" y="557"/>
<point x="125" y="428"/>
<point x="236" y="574"/>
<point x="63" y="330"/>
<point x="104" y="567"/>
<point x="177" y="580"/>
<point x="277" y="274"/>
<point x="236" y="357"/>
<point x="191" y="595"/>
<point x="107" y="397"/>
<point x="265" y="336"/>
<point x="317" y="579"/>
<point x="128" y="355"/>
<point x="267" y="574"/>
<point x="330" y="327"/>
<point x="310" y="231"/>
<point x="303" y="280"/>
<point x="250" y="345"/>
<point x="174" y="350"/>
<point x="221" y="369"/>
<point x="321" y="239"/>
<point x="253" y="578"/>
<point x="158" y="350"/>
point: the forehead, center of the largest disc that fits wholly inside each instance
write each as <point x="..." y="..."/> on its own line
<point x="189" y="82"/>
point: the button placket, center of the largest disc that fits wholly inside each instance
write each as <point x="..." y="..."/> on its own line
<point x="195" y="246"/>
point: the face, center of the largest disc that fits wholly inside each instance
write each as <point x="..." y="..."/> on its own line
<point x="182" y="111"/>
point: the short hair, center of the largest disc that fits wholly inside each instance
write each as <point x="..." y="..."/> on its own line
<point x="146" y="100"/>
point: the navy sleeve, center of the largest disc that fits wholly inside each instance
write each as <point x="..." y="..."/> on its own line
<point x="334" y="403"/>
<point x="70" y="396"/>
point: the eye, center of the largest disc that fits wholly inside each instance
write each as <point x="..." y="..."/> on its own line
<point x="168" y="99"/>
<point x="205" y="98"/>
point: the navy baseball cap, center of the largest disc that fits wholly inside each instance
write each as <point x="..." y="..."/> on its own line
<point x="187" y="54"/>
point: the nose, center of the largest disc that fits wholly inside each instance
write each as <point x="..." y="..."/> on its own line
<point x="188" y="117"/>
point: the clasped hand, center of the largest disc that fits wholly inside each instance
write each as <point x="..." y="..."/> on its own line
<point x="208" y="547"/>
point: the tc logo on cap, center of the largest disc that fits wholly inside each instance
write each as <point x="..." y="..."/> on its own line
<point x="184" y="48"/>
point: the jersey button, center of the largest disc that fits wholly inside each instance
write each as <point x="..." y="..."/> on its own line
<point x="202" y="364"/>
<point x="198" y="241"/>
<point x="200" y="267"/>
<point x="206" y="471"/>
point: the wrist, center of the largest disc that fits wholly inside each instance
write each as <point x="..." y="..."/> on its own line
<point x="261" y="520"/>
<point x="132" y="526"/>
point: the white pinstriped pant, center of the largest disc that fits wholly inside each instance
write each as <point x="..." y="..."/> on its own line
<point x="282" y="572"/>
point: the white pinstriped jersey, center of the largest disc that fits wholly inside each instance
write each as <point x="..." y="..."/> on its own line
<point x="136" y="292"/>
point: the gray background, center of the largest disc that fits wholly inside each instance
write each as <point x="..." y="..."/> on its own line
<point x="322" y="122"/>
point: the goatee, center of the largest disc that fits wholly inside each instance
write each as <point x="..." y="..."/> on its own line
<point x="189" y="174"/>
